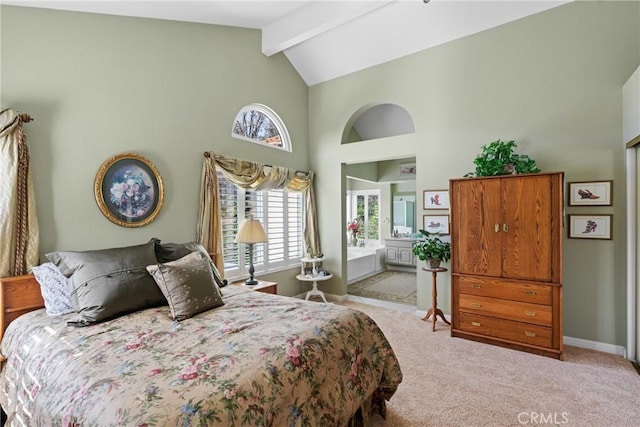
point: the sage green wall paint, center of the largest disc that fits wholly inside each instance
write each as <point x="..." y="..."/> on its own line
<point x="366" y="171"/>
<point x="99" y="85"/>
<point x="389" y="170"/>
<point x="553" y="82"/>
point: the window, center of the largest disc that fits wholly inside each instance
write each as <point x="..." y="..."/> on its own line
<point x="365" y="205"/>
<point x="281" y="214"/>
<point x="260" y="124"/>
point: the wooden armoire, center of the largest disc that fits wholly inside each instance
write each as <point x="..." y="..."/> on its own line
<point x="506" y="261"/>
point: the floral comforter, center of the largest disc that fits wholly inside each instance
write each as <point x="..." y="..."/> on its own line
<point x="260" y="360"/>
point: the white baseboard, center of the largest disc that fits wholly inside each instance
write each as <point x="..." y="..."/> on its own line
<point x="336" y="298"/>
<point x="329" y="297"/>
<point x="595" y="345"/>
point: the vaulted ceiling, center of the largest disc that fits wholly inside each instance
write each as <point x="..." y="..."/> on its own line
<point x="327" y="39"/>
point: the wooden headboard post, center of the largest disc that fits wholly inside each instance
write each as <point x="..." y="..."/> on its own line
<point x="18" y="295"/>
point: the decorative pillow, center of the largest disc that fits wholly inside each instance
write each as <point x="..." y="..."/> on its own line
<point x="188" y="285"/>
<point x="167" y="252"/>
<point x="54" y="289"/>
<point x="108" y="283"/>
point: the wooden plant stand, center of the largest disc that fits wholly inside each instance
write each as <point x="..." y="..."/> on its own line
<point x="434" y="310"/>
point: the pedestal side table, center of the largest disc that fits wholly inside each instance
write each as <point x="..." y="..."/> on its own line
<point x="434" y="310"/>
<point x="315" y="280"/>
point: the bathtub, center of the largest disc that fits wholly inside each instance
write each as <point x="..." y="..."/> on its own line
<point x="363" y="262"/>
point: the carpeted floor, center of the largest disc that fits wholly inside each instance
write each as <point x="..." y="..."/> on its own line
<point x="395" y="286"/>
<point x="455" y="382"/>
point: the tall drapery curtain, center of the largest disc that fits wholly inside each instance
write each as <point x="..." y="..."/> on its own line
<point x="254" y="176"/>
<point x="19" y="234"/>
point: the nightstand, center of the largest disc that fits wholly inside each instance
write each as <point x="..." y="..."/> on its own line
<point x="262" y="286"/>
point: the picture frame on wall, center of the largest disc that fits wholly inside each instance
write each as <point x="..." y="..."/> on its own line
<point x="436" y="224"/>
<point x="435" y="199"/>
<point x="407" y="169"/>
<point x="128" y="190"/>
<point x="590" y="193"/>
<point x="590" y="227"/>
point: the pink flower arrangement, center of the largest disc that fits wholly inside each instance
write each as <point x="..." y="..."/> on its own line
<point x="354" y="226"/>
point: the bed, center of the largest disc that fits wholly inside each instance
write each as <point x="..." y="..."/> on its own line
<point x="258" y="359"/>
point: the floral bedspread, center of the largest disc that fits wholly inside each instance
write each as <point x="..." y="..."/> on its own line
<point x="260" y="360"/>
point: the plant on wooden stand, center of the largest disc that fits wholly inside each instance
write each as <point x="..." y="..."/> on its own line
<point x="431" y="249"/>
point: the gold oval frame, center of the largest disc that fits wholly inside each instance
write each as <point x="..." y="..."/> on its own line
<point x="103" y="189"/>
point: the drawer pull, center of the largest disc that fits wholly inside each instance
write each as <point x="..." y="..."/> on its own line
<point x="505" y="227"/>
<point x="530" y="334"/>
<point x="475" y="286"/>
<point x="476" y="323"/>
<point x="497" y="227"/>
<point x="530" y="313"/>
<point x="476" y="305"/>
<point x="530" y="292"/>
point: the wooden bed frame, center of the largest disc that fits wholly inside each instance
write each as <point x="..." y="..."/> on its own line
<point x="18" y="295"/>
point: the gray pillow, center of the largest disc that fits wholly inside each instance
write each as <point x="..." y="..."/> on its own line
<point x="188" y="285"/>
<point x="167" y="252"/>
<point x="107" y="283"/>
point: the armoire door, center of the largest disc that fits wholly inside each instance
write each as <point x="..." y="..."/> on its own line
<point x="477" y="238"/>
<point x="527" y="228"/>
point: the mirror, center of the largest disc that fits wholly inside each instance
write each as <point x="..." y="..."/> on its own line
<point x="404" y="215"/>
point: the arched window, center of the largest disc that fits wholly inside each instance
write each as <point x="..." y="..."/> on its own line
<point x="260" y="124"/>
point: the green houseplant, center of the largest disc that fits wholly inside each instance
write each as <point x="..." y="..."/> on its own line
<point x="431" y="249"/>
<point x="498" y="158"/>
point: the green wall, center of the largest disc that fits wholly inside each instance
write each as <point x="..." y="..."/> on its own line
<point x="553" y="82"/>
<point x="99" y="85"/>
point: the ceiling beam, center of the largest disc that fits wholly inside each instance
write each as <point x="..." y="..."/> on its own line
<point x="311" y="20"/>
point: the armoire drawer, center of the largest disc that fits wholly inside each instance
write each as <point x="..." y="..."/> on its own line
<point x="512" y="310"/>
<point x="506" y="329"/>
<point x="505" y="289"/>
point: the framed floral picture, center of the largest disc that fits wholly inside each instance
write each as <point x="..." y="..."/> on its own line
<point x="436" y="223"/>
<point x="590" y="193"/>
<point x="128" y="190"/>
<point x="436" y="199"/>
<point x="590" y="227"/>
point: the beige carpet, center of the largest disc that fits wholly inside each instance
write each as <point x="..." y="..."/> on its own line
<point x="455" y="382"/>
<point x="394" y="286"/>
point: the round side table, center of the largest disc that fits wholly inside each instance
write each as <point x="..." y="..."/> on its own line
<point x="315" y="280"/>
<point x="434" y="310"/>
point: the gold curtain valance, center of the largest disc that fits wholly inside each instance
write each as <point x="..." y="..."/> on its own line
<point x="255" y="176"/>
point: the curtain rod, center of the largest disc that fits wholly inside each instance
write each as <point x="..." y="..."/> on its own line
<point x="207" y="154"/>
<point x="25" y="118"/>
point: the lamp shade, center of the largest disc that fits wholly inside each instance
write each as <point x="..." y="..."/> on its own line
<point x="251" y="231"/>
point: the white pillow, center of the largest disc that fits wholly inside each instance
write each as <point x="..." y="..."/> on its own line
<point x="54" y="289"/>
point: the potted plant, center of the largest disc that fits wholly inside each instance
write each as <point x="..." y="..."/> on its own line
<point x="431" y="249"/>
<point x="498" y="158"/>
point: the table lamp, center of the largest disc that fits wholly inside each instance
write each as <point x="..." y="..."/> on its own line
<point x="251" y="232"/>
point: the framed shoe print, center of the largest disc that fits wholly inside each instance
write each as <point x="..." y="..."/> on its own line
<point x="435" y="199"/>
<point x="590" y="193"/>
<point x="590" y="227"/>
